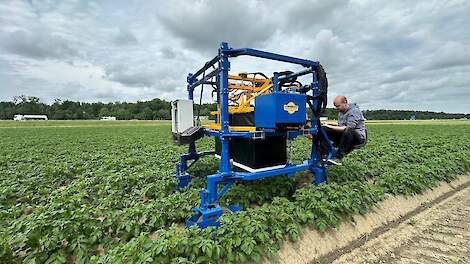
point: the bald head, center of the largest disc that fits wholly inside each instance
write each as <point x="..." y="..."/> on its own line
<point x="341" y="103"/>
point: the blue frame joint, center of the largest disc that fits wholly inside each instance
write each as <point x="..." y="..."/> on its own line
<point x="183" y="180"/>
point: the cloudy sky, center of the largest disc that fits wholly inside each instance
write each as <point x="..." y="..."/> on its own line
<point x="381" y="54"/>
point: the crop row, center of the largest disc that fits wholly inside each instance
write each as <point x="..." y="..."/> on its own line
<point x="105" y="194"/>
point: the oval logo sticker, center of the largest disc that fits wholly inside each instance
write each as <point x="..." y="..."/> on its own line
<point x="291" y="108"/>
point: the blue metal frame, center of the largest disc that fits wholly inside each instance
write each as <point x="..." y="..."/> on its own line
<point x="209" y="211"/>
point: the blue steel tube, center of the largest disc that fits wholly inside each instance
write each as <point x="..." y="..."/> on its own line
<point x="192" y="146"/>
<point x="272" y="56"/>
<point x="189" y="88"/>
<point x="276" y="82"/>
<point x="206" y="66"/>
<point x="224" y="67"/>
<point x="313" y="123"/>
<point x="315" y="91"/>
<point x="295" y="74"/>
<point x="212" y="181"/>
<point x="320" y="173"/>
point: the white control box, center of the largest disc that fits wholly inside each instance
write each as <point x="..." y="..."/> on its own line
<point x="182" y="116"/>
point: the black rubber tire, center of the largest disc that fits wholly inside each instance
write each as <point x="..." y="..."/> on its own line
<point x="323" y="96"/>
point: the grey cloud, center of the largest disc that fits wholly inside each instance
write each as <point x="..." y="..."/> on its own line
<point x="37" y="45"/>
<point x="125" y="37"/>
<point x="389" y="44"/>
<point x="426" y="92"/>
<point x="130" y="76"/>
<point x="331" y="50"/>
<point x="203" y="27"/>
<point x="307" y="14"/>
<point x="382" y="54"/>
<point x="405" y="74"/>
<point x="449" y="55"/>
<point x="152" y="76"/>
<point x="168" y="53"/>
<point x="78" y="92"/>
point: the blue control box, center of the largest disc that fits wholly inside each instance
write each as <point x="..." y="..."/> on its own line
<point x="276" y="110"/>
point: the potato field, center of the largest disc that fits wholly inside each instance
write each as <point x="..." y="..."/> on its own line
<point x="103" y="192"/>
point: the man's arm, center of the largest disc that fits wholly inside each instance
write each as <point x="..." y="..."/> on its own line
<point x="335" y="127"/>
<point x="351" y="123"/>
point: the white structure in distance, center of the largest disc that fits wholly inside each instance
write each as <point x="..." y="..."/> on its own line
<point x="29" y="117"/>
<point x="108" y="118"/>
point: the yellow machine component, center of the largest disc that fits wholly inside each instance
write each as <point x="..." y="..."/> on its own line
<point x="216" y="126"/>
<point x="243" y="90"/>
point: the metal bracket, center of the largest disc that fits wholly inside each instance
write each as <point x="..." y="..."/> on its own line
<point x="258" y="135"/>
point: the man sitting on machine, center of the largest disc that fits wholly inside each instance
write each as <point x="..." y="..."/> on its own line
<point x="350" y="132"/>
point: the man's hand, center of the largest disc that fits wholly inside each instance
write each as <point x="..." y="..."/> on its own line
<point x="329" y="125"/>
<point x="334" y="127"/>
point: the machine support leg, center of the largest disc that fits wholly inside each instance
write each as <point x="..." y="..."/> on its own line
<point x="212" y="189"/>
<point x="224" y="166"/>
<point x="182" y="167"/>
<point x="209" y="211"/>
<point x="183" y="179"/>
<point x="331" y="149"/>
<point x="320" y="175"/>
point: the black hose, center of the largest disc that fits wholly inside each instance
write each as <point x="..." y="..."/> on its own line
<point x="323" y="95"/>
<point x="259" y="73"/>
<point x="293" y="83"/>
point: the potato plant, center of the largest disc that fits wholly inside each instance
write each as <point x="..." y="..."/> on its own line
<point x="92" y="193"/>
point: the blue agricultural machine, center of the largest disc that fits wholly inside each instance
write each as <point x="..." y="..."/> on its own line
<point x="256" y="116"/>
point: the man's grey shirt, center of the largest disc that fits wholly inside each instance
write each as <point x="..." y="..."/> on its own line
<point x="354" y="119"/>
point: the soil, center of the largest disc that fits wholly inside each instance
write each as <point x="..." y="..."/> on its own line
<point x="433" y="227"/>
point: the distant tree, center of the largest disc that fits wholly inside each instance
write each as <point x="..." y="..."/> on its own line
<point x="161" y="109"/>
<point x="7" y="110"/>
<point x="103" y="112"/>
<point x="147" y="114"/>
<point x="163" y="114"/>
<point x="123" y="114"/>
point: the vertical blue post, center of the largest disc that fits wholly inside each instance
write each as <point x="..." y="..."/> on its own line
<point x="319" y="172"/>
<point x="190" y="81"/>
<point x="211" y="189"/>
<point x="218" y="117"/>
<point x="320" y="175"/>
<point x="192" y="146"/>
<point x="224" y="66"/>
<point x="313" y="123"/>
<point x="276" y="82"/>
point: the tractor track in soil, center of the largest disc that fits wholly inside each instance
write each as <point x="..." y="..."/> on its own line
<point x="438" y="232"/>
<point x="433" y="227"/>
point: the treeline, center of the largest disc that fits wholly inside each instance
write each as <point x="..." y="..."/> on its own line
<point x="155" y="109"/>
<point x="158" y="109"/>
<point x="399" y="115"/>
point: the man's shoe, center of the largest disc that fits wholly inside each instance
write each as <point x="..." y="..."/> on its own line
<point x="335" y="161"/>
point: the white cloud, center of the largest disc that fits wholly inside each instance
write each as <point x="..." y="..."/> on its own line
<point x="381" y="54"/>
